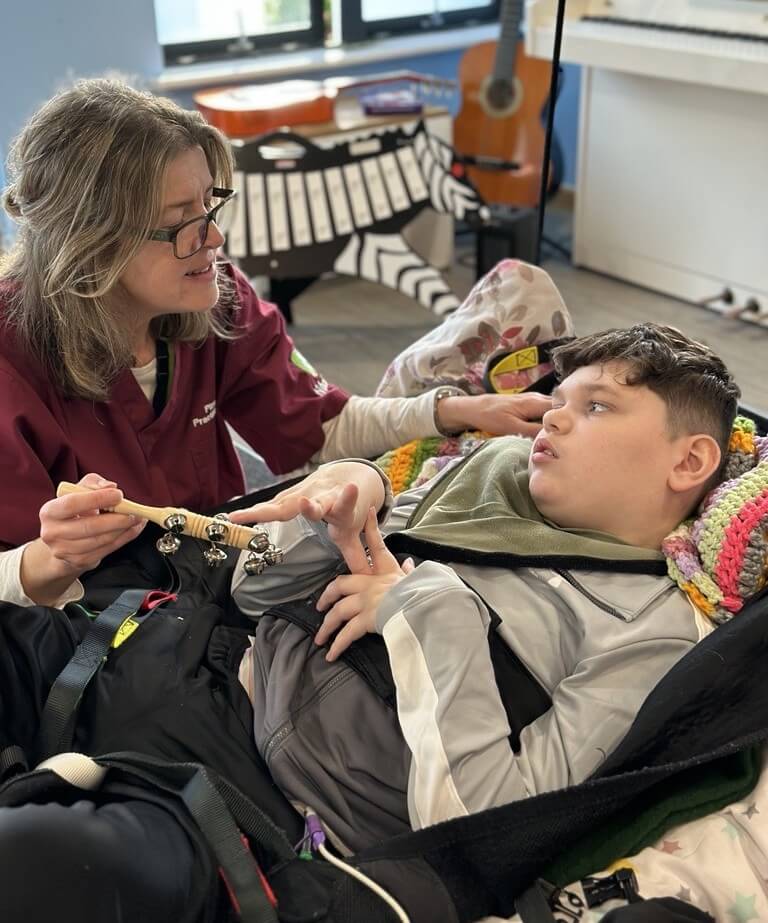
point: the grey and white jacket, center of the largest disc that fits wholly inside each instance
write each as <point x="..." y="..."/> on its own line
<point x="596" y="641"/>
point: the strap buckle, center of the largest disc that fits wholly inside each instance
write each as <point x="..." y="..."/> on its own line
<point x="621" y="885"/>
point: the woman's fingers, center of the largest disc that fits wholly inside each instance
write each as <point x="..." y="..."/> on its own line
<point x="83" y="503"/>
<point x="84" y="554"/>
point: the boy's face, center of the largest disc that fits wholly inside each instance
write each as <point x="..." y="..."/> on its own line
<point x="604" y="455"/>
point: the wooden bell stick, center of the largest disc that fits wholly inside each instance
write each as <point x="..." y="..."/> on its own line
<point x="196" y="525"/>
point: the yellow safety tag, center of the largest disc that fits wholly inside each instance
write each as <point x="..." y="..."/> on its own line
<point x="124" y="631"/>
<point x="525" y="358"/>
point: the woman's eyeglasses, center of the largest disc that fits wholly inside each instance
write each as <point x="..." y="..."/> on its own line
<point x="189" y="238"/>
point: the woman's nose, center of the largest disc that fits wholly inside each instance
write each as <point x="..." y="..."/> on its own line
<point x="214" y="238"/>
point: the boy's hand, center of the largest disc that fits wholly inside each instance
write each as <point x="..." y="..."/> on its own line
<point x="355" y="598"/>
<point x="339" y="494"/>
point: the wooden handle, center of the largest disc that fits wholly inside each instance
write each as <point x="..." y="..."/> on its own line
<point x="237" y="536"/>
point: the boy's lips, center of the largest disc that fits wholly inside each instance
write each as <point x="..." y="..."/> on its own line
<point x="542" y="448"/>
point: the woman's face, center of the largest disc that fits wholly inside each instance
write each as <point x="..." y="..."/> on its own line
<point x="155" y="281"/>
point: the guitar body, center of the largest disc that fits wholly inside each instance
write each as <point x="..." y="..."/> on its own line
<point x="503" y="122"/>
<point x="248" y="111"/>
<point x="255" y="109"/>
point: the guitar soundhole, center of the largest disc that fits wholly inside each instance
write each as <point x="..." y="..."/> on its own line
<point x="499" y="97"/>
<point x="500" y="94"/>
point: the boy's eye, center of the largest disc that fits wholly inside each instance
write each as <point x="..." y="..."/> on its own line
<point x="597" y="407"/>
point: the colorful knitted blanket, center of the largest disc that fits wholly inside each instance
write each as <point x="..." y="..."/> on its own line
<point x="416" y="462"/>
<point x="720" y="558"/>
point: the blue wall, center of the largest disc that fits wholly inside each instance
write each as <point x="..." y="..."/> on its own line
<point x="46" y="43"/>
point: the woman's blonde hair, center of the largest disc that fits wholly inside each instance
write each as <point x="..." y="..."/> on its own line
<point x="86" y="187"/>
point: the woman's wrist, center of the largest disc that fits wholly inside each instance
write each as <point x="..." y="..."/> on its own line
<point x="44" y="577"/>
<point x="451" y="411"/>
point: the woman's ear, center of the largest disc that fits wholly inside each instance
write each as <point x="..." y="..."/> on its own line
<point x="698" y="461"/>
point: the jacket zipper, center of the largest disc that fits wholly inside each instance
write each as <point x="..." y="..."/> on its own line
<point x="285" y="729"/>
<point x="569" y="578"/>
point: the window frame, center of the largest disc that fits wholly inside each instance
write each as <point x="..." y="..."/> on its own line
<point x="355" y="29"/>
<point x="181" y="53"/>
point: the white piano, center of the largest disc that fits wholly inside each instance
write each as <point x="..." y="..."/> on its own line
<point x="672" y="185"/>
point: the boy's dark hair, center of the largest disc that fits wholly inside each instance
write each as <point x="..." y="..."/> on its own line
<point x="695" y="384"/>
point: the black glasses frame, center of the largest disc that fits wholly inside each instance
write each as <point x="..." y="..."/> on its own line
<point x="169" y="236"/>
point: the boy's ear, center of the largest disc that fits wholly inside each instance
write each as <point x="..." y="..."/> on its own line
<point x="699" y="459"/>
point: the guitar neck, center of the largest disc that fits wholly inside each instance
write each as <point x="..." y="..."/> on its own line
<point x="506" y="49"/>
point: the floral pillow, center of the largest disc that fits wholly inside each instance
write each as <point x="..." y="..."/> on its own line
<point x="514" y="306"/>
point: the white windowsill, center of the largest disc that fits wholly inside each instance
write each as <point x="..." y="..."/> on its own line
<point x="293" y="63"/>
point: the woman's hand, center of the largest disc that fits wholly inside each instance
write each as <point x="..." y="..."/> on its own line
<point x="76" y="532"/>
<point x="355" y="598"/>
<point x="500" y="414"/>
<point x="339" y="494"/>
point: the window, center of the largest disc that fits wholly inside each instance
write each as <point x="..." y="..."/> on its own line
<point x="362" y="19"/>
<point x="194" y="30"/>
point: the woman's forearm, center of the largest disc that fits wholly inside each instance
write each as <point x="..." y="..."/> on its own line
<point x="44" y="579"/>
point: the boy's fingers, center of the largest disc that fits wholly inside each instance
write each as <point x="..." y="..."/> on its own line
<point x="353" y="553"/>
<point x="338" y="588"/>
<point x="382" y="559"/>
<point x="409" y="566"/>
<point x="343" y="611"/>
<point x="343" y="507"/>
<point x="353" y="630"/>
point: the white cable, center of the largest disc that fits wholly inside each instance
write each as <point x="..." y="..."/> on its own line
<point x="364" y="879"/>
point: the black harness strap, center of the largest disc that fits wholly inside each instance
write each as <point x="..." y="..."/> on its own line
<point x="57" y="722"/>
<point x="221" y="812"/>
<point x="12" y="760"/>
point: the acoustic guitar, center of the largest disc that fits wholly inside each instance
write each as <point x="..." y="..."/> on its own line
<point x="254" y="109"/>
<point x="499" y="125"/>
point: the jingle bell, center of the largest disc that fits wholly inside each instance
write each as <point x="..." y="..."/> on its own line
<point x="254" y="565"/>
<point x="216" y="531"/>
<point x="168" y="543"/>
<point x="214" y="556"/>
<point x="175" y="522"/>
<point x="259" y="543"/>
<point x="273" y="556"/>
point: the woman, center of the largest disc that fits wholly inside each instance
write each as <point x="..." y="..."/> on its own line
<point x="126" y="345"/>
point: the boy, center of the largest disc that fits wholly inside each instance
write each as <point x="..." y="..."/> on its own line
<point x="552" y="548"/>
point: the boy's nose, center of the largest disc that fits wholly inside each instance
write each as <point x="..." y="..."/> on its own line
<point x="555" y="418"/>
